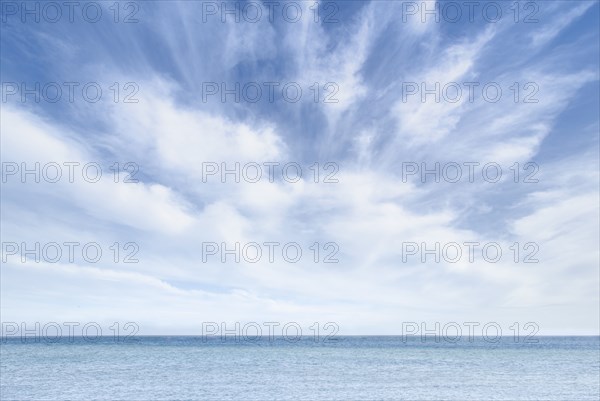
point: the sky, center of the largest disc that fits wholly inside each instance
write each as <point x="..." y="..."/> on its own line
<point x="157" y="98"/>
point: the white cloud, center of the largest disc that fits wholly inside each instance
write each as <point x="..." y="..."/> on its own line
<point x="369" y="213"/>
<point x="139" y="205"/>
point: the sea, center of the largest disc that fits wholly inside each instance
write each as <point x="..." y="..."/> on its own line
<point x="338" y="368"/>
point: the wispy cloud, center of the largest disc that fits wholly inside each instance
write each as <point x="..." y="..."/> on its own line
<point x="369" y="135"/>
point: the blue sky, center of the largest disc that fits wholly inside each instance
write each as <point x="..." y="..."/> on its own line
<point x="370" y="54"/>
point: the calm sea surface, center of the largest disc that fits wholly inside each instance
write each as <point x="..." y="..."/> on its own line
<point x="374" y="368"/>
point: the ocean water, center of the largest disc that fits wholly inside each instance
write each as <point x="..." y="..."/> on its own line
<point x="343" y="368"/>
